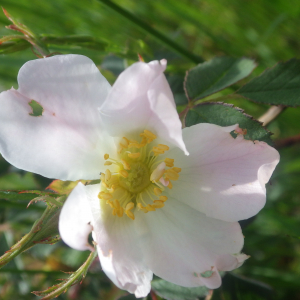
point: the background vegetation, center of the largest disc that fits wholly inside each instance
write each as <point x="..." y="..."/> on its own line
<point x="267" y="31"/>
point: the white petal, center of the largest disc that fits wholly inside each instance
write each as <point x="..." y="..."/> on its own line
<point x="67" y="141"/>
<point x="223" y="177"/>
<point x="179" y="243"/>
<point x="75" y="218"/>
<point x="120" y="254"/>
<point x="142" y="99"/>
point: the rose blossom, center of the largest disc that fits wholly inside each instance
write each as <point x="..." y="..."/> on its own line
<point x="169" y="199"/>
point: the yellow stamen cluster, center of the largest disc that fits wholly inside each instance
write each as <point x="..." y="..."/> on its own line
<point x="140" y="179"/>
<point x="160" y="149"/>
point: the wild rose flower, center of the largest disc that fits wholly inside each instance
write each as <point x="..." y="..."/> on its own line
<point x="169" y="199"/>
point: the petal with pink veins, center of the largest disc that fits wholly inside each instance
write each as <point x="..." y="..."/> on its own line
<point x="76" y="217"/>
<point x="118" y="244"/>
<point x="179" y="243"/>
<point x="140" y="99"/>
<point x="223" y="177"/>
<point x="68" y="141"/>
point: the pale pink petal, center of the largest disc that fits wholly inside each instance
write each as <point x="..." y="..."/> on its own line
<point x="121" y="256"/>
<point x="67" y="141"/>
<point x="229" y="262"/>
<point x="213" y="281"/>
<point x="223" y="177"/>
<point x="75" y="219"/>
<point x="142" y="99"/>
<point x="164" y="120"/>
<point x="179" y="243"/>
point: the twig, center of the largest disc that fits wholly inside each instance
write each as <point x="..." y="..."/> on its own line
<point x="271" y="114"/>
<point x="290" y="141"/>
<point x="153" y="295"/>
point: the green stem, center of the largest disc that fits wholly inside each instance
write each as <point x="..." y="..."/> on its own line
<point x="156" y="34"/>
<point x="73" y="279"/>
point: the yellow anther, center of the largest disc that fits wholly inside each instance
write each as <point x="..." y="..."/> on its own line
<point x="143" y="142"/>
<point x="170" y="185"/>
<point x="125" y="164"/>
<point x="129" y="206"/>
<point x="157" y="191"/>
<point x="130" y="214"/>
<point x="134" y="155"/>
<point x="106" y="156"/>
<point x="124" y="142"/>
<point x="120" y="212"/>
<point x="102" y="177"/>
<point x="163" y="198"/>
<point x="110" y="203"/>
<point x="128" y="209"/>
<point x="107" y="163"/>
<point x="163" y="147"/>
<point x="149" y="135"/>
<point x="117" y="203"/>
<point x="118" y="209"/>
<point x="123" y="173"/>
<point x="105" y="196"/>
<point x="158" y="150"/>
<point x="113" y="186"/>
<point x="150" y="207"/>
<point x="169" y="162"/>
<point x="171" y="174"/>
<point x="134" y="144"/>
<point x="104" y="184"/>
<point x="177" y="170"/>
<point x="158" y="172"/>
<point x="141" y="207"/>
<point x="100" y="195"/>
<point x="158" y="204"/>
<point x="107" y="175"/>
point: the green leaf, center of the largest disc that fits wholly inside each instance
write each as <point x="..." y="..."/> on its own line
<point x="241" y="288"/>
<point x="170" y="291"/>
<point x="23" y="196"/>
<point x="215" y="75"/>
<point x="278" y="85"/>
<point x="224" y="114"/>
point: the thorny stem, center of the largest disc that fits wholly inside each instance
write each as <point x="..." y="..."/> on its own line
<point x="153" y="295"/>
<point x="74" y="278"/>
<point x="271" y="114"/>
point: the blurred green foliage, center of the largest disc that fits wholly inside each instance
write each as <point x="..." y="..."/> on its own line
<point x="267" y="31"/>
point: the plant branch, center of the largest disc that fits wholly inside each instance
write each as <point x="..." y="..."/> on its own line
<point x="290" y="141"/>
<point x="271" y="114"/>
<point x="149" y="30"/>
<point x="74" y="278"/>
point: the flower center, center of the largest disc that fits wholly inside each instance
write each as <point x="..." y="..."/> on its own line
<point x="140" y="179"/>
